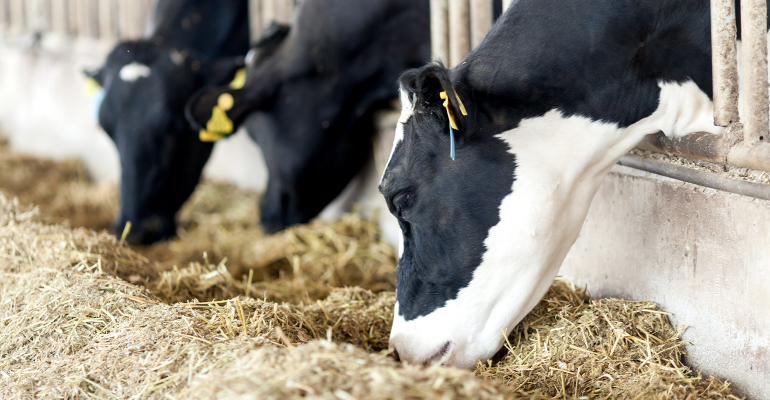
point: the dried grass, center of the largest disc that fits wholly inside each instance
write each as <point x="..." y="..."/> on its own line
<point x="73" y="325"/>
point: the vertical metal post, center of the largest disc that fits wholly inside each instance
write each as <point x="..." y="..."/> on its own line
<point x="255" y="20"/>
<point x="17" y="17"/>
<point x="59" y="22"/>
<point x="107" y="20"/>
<point x="482" y="16"/>
<point x="754" y="51"/>
<point x="724" y="62"/>
<point x="268" y="12"/>
<point x="459" y="31"/>
<point x="3" y="16"/>
<point x="284" y="10"/>
<point x="439" y="32"/>
<point x="88" y="18"/>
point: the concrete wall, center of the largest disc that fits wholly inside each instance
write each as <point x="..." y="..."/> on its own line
<point x="702" y="254"/>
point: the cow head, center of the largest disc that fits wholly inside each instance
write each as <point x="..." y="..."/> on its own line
<point x="322" y="128"/>
<point x="464" y="278"/>
<point x="145" y="89"/>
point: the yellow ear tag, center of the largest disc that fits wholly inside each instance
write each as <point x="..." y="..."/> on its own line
<point x="91" y="86"/>
<point x="449" y="112"/>
<point x="239" y="80"/>
<point x="220" y="124"/>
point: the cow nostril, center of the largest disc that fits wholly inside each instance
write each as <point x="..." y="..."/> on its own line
<point x="443" y="354"/>
<point x="394" y="354"/>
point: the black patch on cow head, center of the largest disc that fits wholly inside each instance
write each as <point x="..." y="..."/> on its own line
<point x="161" y="158"/>
<point x="445" y="207"/>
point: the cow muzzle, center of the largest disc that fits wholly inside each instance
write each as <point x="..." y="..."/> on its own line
<point x="145" y="231"/>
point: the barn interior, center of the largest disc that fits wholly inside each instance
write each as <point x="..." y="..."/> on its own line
<point x="662" y="296"/>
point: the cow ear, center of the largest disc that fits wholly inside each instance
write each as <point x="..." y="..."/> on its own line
<point x="216" y="112"/>
<point x="96" y="74"/>
<point x="434" y="87"/>
<point x="271" y="38"/>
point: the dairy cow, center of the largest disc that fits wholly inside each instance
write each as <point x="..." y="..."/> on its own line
<point x="145" y="85"/>
<point x="318" y="84"/>
<point x="496" y="161"/>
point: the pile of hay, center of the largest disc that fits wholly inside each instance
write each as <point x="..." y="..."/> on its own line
<point x="224" y="311"/>
<point x="71" y="328"/>
<point x="217" y="227"/>
<point x="61" y="189"/>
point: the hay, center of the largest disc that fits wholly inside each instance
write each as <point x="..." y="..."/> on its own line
<point x="217" y="227"/>
<point x="83" y="316"/>
<point x="570" y="345"/>
<point x="61" y="189"/>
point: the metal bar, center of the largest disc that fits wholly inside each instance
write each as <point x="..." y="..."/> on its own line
<point x="59" y="21"/>
<point x="3" y="16"/>
<point x="707" y="179"/>
<point x="255" y="20"/>
<point x="754" y="52"/>
<point x="17" y="20"/>
<point x="482" y="17"/>
<point x="268" y="12"/>
<point x="107" y="22"/>
<point x="439" y="30"/>
<point x="724" y="62"/>
<point x="284" y="10"/>
<point x="715" y="148"/>
<point x="756" y="156"/>
<point x="459" y="31"/>
<point x="699" y="145"/>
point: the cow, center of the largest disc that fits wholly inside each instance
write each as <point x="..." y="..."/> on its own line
<point x="145" y="85"/>
<point x="319" y="84"/>
<point x="496" y="161"/>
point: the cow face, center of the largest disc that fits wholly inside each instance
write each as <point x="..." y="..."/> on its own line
<point x="322" y="126"/>
<point x="446" y="310"/>
<point x="145" y="89"/>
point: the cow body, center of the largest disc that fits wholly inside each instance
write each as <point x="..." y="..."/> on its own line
<point x="146" y="84"/>
<point x="554" y="96"/>
<point x="319" y="84"/>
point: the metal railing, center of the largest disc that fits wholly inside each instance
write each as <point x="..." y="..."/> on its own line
<point x="744" y="142"/>
<point x="93" y="19"/>
<point x="110" y="19"/>
<point x="263" y="12"/>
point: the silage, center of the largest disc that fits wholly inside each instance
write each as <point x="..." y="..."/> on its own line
<point x="74" y="324"/>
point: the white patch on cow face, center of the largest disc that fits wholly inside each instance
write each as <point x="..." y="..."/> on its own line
<point x="407" y="110"/>
<point x="560" y="164"/>
<point x="134" y="71"/>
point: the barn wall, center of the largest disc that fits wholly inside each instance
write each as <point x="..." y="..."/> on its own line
<point x="702" y="254"/>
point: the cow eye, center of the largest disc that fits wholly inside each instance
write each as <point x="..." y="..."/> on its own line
<point x="403" y="202"/>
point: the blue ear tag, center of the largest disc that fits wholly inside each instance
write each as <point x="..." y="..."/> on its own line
<point x="451" y="142"/>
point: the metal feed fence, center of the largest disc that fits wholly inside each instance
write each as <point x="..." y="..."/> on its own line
<point x="745" y="140"/>
<point x="93" y="19"/>
<point x="110" y="19"/>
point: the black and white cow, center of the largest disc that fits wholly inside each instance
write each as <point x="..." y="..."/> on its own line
<point x="318" y="84"/>
<point x="557" y="92"/>
<point x="146" y="84"/>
